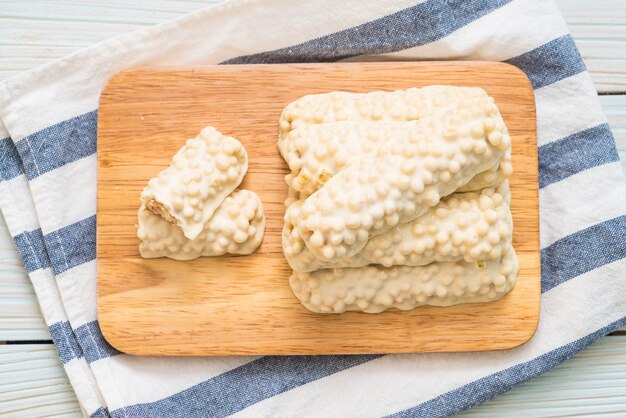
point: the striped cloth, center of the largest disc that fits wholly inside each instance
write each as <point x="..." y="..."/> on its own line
<point x="48" y="186"/>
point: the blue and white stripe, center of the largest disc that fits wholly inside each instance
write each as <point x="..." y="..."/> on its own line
<point x="52" y="158"/>
<point x="18" y="210"/>
<point x="488" y="387"/>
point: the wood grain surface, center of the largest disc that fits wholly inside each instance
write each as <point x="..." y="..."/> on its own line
<point x="243" y="305"/>
<point x="34" y="384"/>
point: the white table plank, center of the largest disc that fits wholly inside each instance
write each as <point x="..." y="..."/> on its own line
<point x="599" y="28"/>
<point x="34" y="384"/>
<point x="37" y="31"/>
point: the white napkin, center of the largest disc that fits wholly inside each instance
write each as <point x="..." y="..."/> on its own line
<point x="48" y="185"/>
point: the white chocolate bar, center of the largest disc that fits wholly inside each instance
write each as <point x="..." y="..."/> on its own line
<point x="315" y="153"/>
<point x="236" y="227"/>
<point x="374" y="289"/>
<point x="400" y="105"/>
<point x="202" y="173"/>
<point x="463" y="226"/>
<point x="400" y="182"/>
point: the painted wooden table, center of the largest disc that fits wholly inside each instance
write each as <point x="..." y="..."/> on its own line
<point x="32" y="381"/>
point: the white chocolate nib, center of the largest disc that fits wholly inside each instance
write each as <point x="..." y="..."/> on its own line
<point x="236" y="227"/>
<point x="464" y="226"/>
<point x="202" y="173"/>
<point x="374" y="289"/>
<point x="400" y="182"/>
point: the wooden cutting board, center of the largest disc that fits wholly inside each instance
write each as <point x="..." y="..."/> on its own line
<point x="243" y="305"/>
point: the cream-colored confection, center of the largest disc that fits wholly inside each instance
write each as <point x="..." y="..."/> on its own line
<point x="400" y="182"/>
<point x="463" y="226"/>
<point x="374" y="289"/>
<point x="315" y="153"/>
<point x="400" y="105"/>
<point x="236" y="227"/>
<point x="202" y="173"/>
